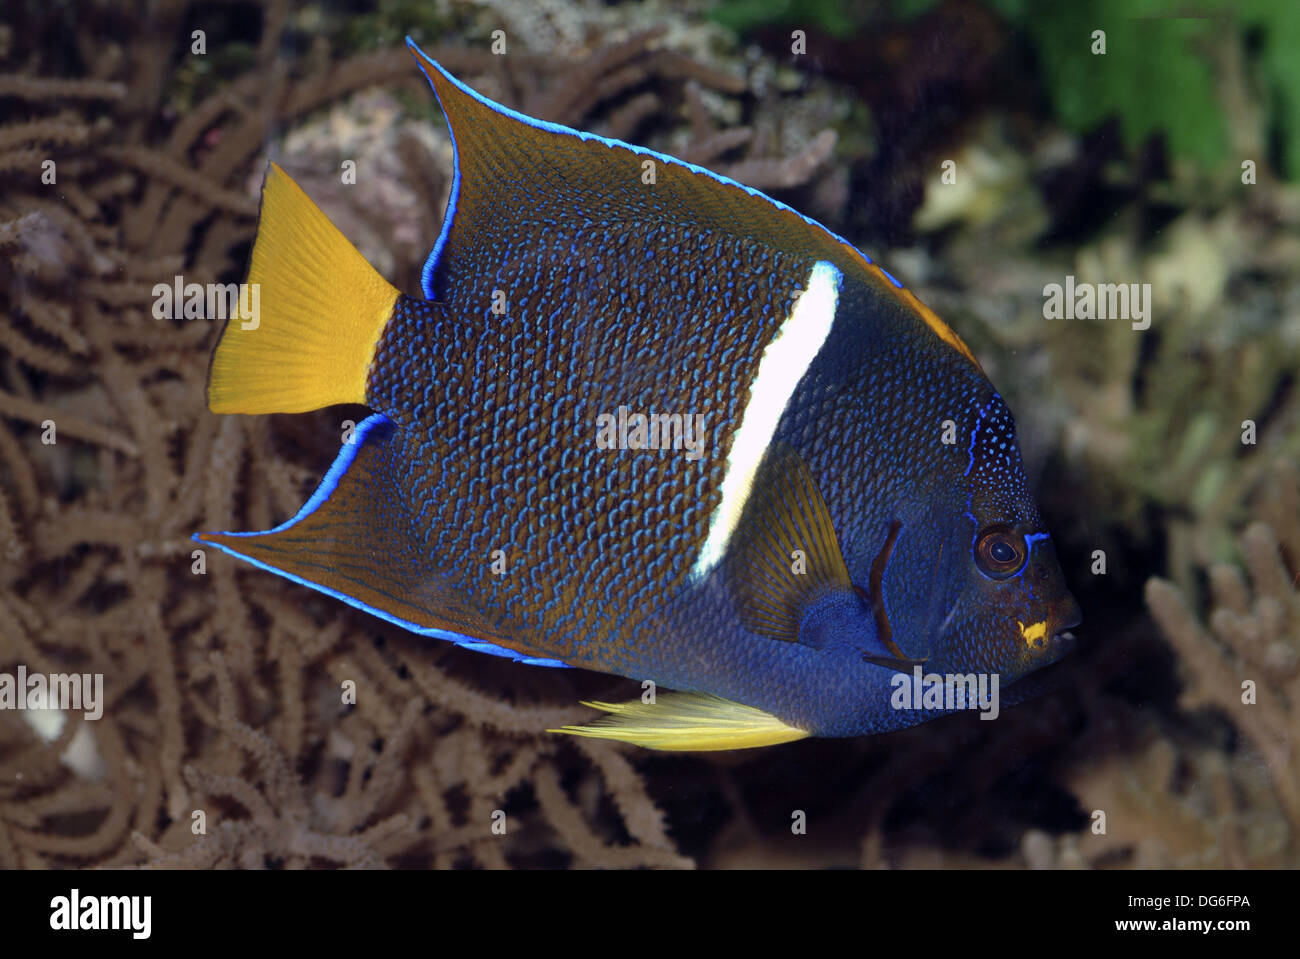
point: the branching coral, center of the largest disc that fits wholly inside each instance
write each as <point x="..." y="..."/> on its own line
<point x="225" y="690"/>
<point x="1247" y="663"/>
<point x="1176" y="798"/>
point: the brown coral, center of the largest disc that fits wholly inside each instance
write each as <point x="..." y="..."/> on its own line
<point x="225" y="738"/>
<point x="1247" y="663"/>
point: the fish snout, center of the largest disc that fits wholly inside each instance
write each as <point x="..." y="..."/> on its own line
<point x="1063" y="615"/>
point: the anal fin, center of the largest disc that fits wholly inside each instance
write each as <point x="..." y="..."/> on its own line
<point x="354" y="540"/>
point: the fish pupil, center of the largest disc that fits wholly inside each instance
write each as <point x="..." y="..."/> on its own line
<point x="1003" y="552"/>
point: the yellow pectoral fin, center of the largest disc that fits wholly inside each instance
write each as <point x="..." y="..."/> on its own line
<point x="687" y="721"/>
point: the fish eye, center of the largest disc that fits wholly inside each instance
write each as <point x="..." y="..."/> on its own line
<point x="999" y="552"/>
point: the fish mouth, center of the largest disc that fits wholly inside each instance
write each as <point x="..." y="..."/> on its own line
<point x="1056" y="643"/>
<point x="1063" y="640"/>
<point x="1067" y="615"/>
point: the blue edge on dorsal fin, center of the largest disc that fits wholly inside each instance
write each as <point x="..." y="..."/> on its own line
<point x="323" y="492"/>
<point x="426" y="275"/>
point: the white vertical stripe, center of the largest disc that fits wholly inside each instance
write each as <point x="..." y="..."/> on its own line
<point x="780" y="369"/>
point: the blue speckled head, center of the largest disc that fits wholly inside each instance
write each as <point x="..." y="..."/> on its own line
<point x="1006" y="608"/>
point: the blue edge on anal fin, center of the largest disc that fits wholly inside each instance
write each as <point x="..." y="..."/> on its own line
<point x="426" y="274"/>
<point x="336" y="471"/>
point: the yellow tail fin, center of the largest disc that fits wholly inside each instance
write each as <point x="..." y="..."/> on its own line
<point x="319" y="308"/>
<point x="686" y="721"/>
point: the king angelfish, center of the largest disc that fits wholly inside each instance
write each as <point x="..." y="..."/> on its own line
<point x="644" y="420"/>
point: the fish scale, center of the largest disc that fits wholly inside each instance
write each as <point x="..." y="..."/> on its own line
<point x="605" y="352"/>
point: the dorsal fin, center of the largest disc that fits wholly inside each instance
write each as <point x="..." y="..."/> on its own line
<point x="353" y="541"/>
<point x="686" y="721"/>
<point x="510" y="166"/>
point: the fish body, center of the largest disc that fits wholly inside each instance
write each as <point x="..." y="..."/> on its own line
<point x="646" y="421"/>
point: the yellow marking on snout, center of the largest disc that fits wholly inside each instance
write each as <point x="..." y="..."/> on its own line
<point x="1033" y="631"/>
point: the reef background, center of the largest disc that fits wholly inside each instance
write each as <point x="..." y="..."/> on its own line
<point x="223" y="687"/>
